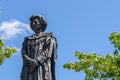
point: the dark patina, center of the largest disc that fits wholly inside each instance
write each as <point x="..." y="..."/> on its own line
<point x="39" y="52"/>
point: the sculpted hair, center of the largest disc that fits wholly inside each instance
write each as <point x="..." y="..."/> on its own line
<point x="41" y="19"/>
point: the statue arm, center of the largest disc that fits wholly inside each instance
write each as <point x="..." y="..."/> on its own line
<point x="53" y="49"/>
<point x="47" y="52"/>
<point x="25" y="57"/>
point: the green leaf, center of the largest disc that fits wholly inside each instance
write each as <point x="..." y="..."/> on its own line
<point x="5" y="52"/>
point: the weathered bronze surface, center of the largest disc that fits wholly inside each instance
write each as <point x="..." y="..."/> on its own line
<point x="39" y="52"/>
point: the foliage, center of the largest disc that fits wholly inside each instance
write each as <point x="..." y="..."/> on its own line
<point x="115" y="40"/>
<point x="0" y="9"/>
<point x="97" y="66"/>
<point x="5" y="52"/>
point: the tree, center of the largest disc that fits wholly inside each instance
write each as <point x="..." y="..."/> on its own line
<point x="5" y="52"/>
<point x="101" y="67"/>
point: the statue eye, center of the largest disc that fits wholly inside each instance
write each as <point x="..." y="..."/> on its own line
<point x="34" y="23"/>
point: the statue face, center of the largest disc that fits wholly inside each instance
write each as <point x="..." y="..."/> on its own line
<point x="36" y="25"/>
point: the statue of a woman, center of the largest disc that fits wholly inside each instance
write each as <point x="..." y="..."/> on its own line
<point x="39" y="52"/>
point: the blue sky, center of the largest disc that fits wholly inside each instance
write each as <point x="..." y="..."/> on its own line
<point x="83" y="25"/>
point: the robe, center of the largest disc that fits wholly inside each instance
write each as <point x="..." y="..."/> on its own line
<point x="39" y="53"/>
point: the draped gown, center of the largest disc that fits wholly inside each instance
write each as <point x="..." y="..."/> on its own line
<point x="40" y="50"/>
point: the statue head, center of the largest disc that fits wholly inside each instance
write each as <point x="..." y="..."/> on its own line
<point x="38" y="23"/>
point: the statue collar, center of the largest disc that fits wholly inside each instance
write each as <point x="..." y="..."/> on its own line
<point x="39" y="35"/>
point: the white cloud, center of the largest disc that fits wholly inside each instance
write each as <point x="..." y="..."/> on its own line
<point x="13" y="28"/>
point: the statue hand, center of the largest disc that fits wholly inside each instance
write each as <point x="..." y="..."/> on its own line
<point x="34" y="62"/>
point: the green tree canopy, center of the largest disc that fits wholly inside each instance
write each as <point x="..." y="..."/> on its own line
<point x="97" y="66"/>
<point x="5" y="52"/>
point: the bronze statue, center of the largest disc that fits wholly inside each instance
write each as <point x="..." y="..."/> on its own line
<point x="39" y="52"/>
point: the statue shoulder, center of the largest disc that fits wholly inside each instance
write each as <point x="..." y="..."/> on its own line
<point x="28" y="37"/>
<point x="40" y="35"/>
<point x="50" y="36"/>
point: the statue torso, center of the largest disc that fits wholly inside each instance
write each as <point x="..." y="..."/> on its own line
<point x="37" y="42"/>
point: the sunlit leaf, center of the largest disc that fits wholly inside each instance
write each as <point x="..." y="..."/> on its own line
<point x="101" y="67"/>
<point x="5" y="52"/>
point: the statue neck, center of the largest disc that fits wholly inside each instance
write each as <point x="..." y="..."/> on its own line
<point x="38" y="32"/>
